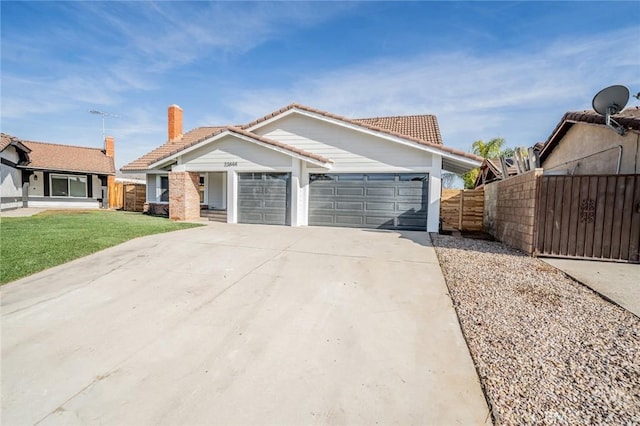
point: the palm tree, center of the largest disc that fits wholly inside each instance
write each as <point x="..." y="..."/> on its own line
<point x="490" y="149"/>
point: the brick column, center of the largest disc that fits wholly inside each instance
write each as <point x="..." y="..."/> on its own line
<point x="184" y="195"/>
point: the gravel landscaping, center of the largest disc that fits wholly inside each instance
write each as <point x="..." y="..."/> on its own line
<point x="548" y="349"/>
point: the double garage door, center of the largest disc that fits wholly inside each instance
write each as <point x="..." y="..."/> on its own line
<point x="377" y="200"/>
<point x="380" y="200"/>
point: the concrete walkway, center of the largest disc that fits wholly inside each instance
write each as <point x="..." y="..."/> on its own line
<point x="619" y="282"/>
<point x="21" y="212"/>
<point x="240" y="324"/>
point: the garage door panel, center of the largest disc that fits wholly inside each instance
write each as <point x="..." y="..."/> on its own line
<point x="250" y="203"/>
<point x="344" y="205"/>
<point x="349" y="220"/>
<point x="381" y="206"/>
<point x="380" y="221"/>
<point x="320" y="205"/>
<point x="327" y="191"/>
<point x="327" y="219"/>
<point x="410" y="206"/>
<point x="350" y="192"/>
<point x="276" y="204"/>
<point x="275" y="190"/>
<point x="410" y="192"/>
<point x="381" y="192"/>
<point x="386" y="201"/>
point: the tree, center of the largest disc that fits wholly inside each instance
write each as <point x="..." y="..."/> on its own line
<point x="490" y="149"/>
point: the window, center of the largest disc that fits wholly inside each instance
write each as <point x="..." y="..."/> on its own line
<point x="68" y="186"/>
<point x="164" y="188"/>
<point x="201" y="188"/>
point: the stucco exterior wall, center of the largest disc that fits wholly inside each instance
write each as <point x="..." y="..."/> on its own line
<point x="509" y="210"/>
<point x="594" y="149"/>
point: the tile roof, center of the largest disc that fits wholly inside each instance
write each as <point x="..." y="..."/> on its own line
<point x="63" y="158"/>
<point x="424" y="127"/>
<point x="421" y="129"/>
<point x="167" y="149"/>
<point x="628" y="118"/>
<point x="6" y="140"/>
<point x="68" y="158"/>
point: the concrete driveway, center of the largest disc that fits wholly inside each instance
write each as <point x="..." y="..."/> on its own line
<point x="240" y="324"/>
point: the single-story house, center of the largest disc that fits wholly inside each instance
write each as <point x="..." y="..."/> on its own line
<point x="39" y="174"/>
<point x="302" y="166"/>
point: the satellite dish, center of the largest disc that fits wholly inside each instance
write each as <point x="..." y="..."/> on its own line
<point x="611" y="101"/>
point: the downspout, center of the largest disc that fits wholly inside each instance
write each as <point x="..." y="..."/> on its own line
<point x="619" y="159"/>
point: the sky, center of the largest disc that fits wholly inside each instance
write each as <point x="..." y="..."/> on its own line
<point x="485" y="69"/>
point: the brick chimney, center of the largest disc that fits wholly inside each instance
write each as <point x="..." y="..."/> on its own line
<point x="175" y="123"/>
<point x="109" y="146"/>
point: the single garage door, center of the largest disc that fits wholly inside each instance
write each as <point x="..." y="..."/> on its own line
<point x="263" y="198"/>
<point x="380" y="200"/>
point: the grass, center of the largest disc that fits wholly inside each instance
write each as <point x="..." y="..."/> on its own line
<point x="32" y="244"/>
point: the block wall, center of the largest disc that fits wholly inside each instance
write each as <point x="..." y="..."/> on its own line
<point x="509" y="210"/>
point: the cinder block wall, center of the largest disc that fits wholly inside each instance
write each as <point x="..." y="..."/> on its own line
<point x="509" y="210"/>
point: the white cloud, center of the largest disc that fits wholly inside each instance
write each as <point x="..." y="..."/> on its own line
<point x="519" y="95"/>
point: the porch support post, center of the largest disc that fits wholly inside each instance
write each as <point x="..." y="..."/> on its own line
<point x="435" y="192"/>
<point x="184" y="195"/>
<point x="296" y="169"/>
<point x="232" y="196"/>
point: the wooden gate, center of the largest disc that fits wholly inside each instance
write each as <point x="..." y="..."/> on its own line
<point x="594" y="217"/>
<point x="461" y="209"/>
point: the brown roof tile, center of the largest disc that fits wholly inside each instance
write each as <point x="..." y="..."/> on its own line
<point x="6" y="140"/>
<point x="424" y="127"/>
<point x="167" y="149"/>
<point x="49" y="156"/>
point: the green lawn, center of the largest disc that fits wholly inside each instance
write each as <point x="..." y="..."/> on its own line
<point x="31" y="244"/>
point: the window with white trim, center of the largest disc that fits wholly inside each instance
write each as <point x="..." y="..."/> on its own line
<point x="68" y="186"/>
<point x="202" y="187"/>
<point x="163" y="195"/>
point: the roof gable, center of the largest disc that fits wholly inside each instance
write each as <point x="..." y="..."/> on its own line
<point x="629" y="119"/>
<point x="8" y="140"/>
<point x="366" y="124"/>
<point x="243" y="134"/>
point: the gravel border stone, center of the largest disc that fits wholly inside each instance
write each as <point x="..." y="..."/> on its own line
<point x="548" y="349"/>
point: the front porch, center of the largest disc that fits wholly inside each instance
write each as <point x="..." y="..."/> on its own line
<point x="188" y="195"/>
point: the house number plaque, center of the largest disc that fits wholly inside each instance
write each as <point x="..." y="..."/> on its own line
<point x="230" y="163"/>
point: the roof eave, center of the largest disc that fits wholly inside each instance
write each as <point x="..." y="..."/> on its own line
<point x="53" y="169"/>
<point x="230" y="132"/>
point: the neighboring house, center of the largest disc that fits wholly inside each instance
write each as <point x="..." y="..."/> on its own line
<point x="582" y="144"/>
<point x="301" y="166"/>
<point x="583" y="201"/>
<point x="38" y="174"/>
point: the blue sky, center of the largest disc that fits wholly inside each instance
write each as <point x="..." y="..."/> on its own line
<point x="485" y="69"/>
